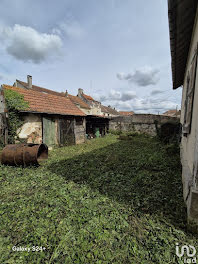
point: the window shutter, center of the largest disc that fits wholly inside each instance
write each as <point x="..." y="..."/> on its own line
<point x="190" y="96"/>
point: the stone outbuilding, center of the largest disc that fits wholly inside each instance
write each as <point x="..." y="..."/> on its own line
<point x="51" y="118"/>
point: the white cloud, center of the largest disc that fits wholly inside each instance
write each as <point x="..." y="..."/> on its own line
<point x="117" y="95"/>
<point x="142" y="77"/>
<point x="123" y="105"/>
<point x="152" y="105"/>
<point x="27" y="44"/>
<point x="129" y="101"/>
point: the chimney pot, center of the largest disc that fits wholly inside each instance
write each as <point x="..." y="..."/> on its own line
<point x="29" y="81"/>
<point x="66" y="93"/>
<point x="80" y="91"/>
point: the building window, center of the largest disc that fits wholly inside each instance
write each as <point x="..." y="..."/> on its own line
<point x="190" y="96"/>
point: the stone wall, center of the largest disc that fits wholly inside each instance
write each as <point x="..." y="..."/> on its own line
<point x="3" y="120"/>
<point x="79" y="131"/>
<point x="31" y="131"/>
<point x="141" y="123"/>
<point x="2" y="129"/>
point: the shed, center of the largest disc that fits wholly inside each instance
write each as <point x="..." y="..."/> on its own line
<point x="50" y="118"/>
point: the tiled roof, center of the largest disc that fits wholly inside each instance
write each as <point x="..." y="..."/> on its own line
<point x="78" y="100"/>
<point x="172" y="112"/>
<point x="88" y="97"/>
<point x="75" y="99"/>
<point x="41" y="89"/>
<point x="46" y="102"/>
<point x="109" y="110"/>
<point x="104" y="109"/>
<point x="125" y="113"/>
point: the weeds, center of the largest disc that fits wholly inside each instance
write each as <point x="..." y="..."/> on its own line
<point x="106" y="201"/>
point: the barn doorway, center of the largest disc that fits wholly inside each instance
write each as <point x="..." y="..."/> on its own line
<point x="49" y="132"/>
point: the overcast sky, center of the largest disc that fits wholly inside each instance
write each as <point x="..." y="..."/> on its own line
<point x="116" y="50"/>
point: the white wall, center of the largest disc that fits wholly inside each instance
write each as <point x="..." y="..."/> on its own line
<point x="189" y="144"/>
<point x="31" y="131"/>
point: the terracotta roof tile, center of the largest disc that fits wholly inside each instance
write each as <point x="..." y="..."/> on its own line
<point x="125" y="113"/>
<point x="88" y="97"/>
<point x="41" y="89"/>
<point x="172" y="112"/>
<point x="47" y="102"/>
<point x="78" y="100"/>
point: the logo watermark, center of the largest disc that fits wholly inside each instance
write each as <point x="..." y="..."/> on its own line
<point x="28" y="249"/>
<point x="186" y="253"/>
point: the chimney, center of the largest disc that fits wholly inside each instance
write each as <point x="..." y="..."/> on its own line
<point x="80" y="92"/>
<point x="66" y="93"/>
<point x="29" y="81"/>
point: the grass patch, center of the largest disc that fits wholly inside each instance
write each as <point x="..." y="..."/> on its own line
<point x="106" y="201"/>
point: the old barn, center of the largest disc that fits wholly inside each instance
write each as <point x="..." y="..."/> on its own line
<point x="51" y="117"/>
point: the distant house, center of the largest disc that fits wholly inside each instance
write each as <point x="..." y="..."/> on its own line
<point x="183" y="24"/>
<point x="126" y="113"/>
<point x="94" y="105"/>
<point x="174" y="112"/>
<point x="84" y="107"/>
<point x="52" y="118"/>
<point x="108" y="111"/>
<point x="96" y="123"/>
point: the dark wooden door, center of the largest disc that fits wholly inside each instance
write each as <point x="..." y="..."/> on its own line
<point x="66" y="132"/>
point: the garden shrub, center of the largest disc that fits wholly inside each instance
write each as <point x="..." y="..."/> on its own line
<point x="115" y="132"/>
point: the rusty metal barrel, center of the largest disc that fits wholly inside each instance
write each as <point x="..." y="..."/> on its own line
<point x="24" y="154"/>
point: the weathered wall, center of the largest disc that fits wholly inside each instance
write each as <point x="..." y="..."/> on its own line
<point x="31" y="131"/>
<point x="95" y="109"/>
<point x="85" y="110"/>
<point x="142" y="123"/>
<point x="79" y="131"/>
<point x="189" y="144"/>
<point x="3" y="120"/>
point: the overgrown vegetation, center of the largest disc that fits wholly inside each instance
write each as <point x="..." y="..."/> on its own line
<point x="106" y="201"/>
<point x="115" y="132"/>
<point x="169" y="132"/>
<point x="14" y="103"/>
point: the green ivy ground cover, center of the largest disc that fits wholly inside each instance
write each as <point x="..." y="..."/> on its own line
<point x="106" y="201"/>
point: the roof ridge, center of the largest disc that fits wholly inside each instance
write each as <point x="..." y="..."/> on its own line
<point x="43" y="88"/>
